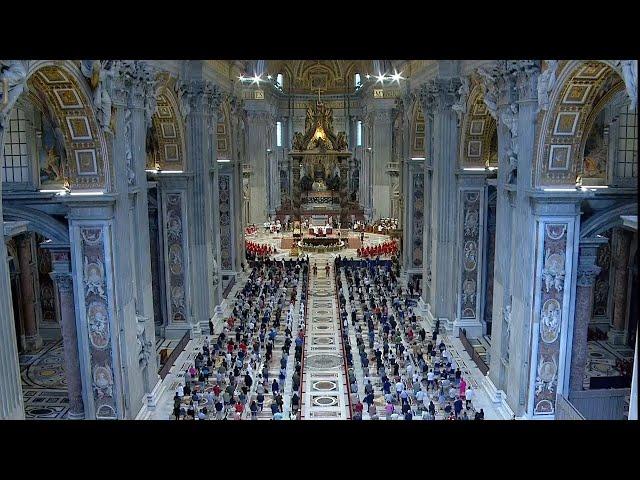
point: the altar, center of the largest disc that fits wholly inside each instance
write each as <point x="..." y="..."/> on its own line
<point x="321" y="231"/>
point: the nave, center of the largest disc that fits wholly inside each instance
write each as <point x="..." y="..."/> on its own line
<point x="320" y="376"/>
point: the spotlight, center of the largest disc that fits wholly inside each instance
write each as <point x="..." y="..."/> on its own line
<point x="396" y="76"/>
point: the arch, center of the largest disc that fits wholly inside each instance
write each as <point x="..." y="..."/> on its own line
<point x="478" y="129"/>
<point x="607" y="219"/>
<point x="40" y="222"/>
<point x="165" y="142"/>
<point x="61" y="85"/>
<point x="579" y="88"/>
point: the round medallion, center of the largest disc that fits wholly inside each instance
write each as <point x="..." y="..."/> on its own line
<point x="325" y="401"/>
<point x="324" y="361"/>
<point x="325" y="385"/>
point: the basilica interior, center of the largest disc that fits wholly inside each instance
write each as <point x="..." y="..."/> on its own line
<point x="318" y="239"/>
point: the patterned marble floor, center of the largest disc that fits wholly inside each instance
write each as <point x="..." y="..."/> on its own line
<point x="325" y="394"/>
<point x="44" y="385"/>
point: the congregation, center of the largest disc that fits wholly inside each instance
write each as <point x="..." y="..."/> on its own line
<point x="405" y="372"/>
<point x="245" y="369"/>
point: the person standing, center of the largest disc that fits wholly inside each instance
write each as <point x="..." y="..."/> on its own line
<point x="469" y="394"/>
<point x="210" y="327"/>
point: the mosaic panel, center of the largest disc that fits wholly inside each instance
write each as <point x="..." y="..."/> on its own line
<point x="226" y="236"/>
<point x="547" y="364"/>
<point x="98" y="317"/>
<point x="176" y="261"/>
<point x="471" y="209"/>
<point x="418" y="219"/>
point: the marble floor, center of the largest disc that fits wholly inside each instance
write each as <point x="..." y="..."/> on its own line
<point x="44" y="386"/>
<point x="324" y="386"/>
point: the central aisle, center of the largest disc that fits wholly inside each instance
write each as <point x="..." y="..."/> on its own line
<point x="324" y="388"/>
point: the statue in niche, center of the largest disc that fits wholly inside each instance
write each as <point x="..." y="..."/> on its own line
<point x="51" y="160"/>
<point x="510" y="120"/>
<point x="595" y="150"/>
<point x="506" y="314"/>
<point x="630" y="76"/>
<point x="490" y="97"/>
<point x="53" y="166"/>
<point x="13" y="81"/>
<point x="546" y="82"/>
<point x="460" y="107"/>
<point x="100" y="75"/>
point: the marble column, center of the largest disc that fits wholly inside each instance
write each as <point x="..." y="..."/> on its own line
<point x="587" y="272"/>
<point x="11" y="402"/>
<point x="203" y="98"/>
<point x="258" y="141"/>
<point x="64" y="285"/>
<point x="437" y="97"/>
<point x="620" y="263"/>
<point x="381" y="158"/>
<point x="29" y="288"/>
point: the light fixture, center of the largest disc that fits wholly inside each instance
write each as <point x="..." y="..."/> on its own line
<point x="396" y="77"/>
<point x="223" y="160"/>
<point x="171" y="171"/>
<point x="563" y="189"/>
<point x="85" y="193"/>
<point x="58" y="191"/>
<point x="380" y="78"/>
<point x="418" y="158"/>
<point x="367" y="76"/>
<point x="269" y="77"/>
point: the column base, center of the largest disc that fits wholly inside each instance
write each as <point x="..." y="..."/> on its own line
<point x="472" y="327"/>
<point x="498" y="397"/>
<point x="176" y="332"/>
<point x="617" y="337"/>
<point x="75" y="415"/>
<point x="152" y="398"/>
<point x="32" y="343"/>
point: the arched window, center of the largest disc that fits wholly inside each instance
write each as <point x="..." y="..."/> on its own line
<point x="279" y="134"/>
<point x="280" y="80"/>
<point x="359" y="134"/>
<point x="356" y="80"/>
<point x="16" y="160"/>
<point x="627" y="151"/>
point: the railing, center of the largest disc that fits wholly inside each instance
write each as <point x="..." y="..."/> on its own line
<point x="600" y="404"/>
<point x="228" y="288"/>
<point x="565" y="410"/>
<point x="304" y="339"/>
<point x="342" y="340"/>
<point x="164" y="371"/>
<point x="482" y="366"/>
